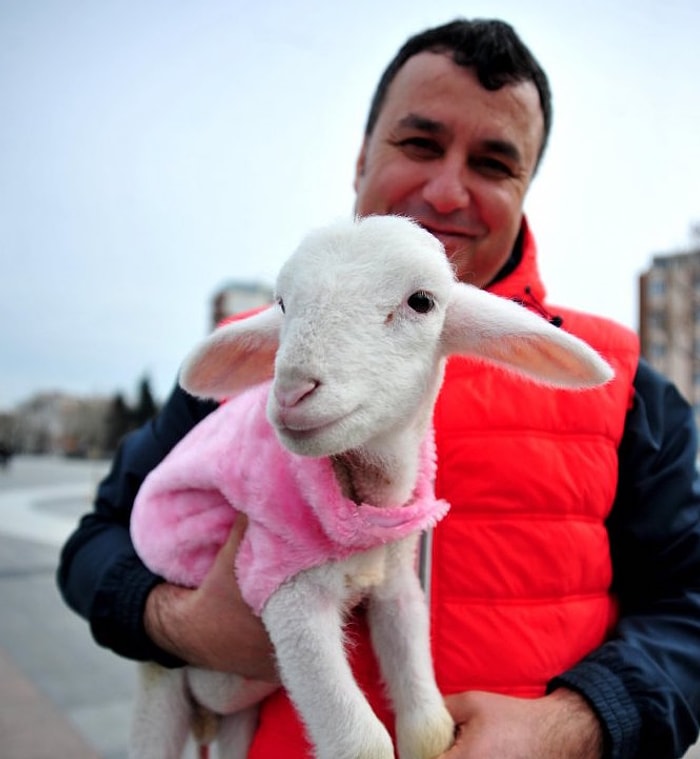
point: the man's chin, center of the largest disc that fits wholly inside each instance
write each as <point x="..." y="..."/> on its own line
<point x="456" y="245"/>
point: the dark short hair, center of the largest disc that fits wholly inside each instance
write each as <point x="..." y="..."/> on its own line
<point x="491" y="47"/>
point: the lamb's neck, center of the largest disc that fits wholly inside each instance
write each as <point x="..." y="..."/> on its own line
<point x="385" y="478"/>
<point x="384" y="471"/>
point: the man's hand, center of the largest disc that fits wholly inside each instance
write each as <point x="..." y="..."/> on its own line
<point x="212" y="626"/>
<point x="490" y="726"/>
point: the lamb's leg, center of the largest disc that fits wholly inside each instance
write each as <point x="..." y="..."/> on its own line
<point x="399" y="623"/>
<point x="304" y="621"/>
<point x="235" y="699"/>
<point x="236" y="733"/>
<point x="161" y="718"/>
<point x="224" y="692"/>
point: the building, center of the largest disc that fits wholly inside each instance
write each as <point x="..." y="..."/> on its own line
<point x="669" y="320"/>
<point x="235" y="297"/>
<point x="59" y="423"/>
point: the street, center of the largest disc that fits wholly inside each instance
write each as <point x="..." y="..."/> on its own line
<point x="46" y="652"/>
<point x="60" y="694"/>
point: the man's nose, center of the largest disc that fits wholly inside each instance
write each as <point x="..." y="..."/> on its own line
<point x="446" y="189"/>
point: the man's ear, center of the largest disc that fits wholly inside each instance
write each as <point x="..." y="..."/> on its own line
<point x="360" y="163"/>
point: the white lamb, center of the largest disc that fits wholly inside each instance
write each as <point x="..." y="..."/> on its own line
<point x="326" y="444"/>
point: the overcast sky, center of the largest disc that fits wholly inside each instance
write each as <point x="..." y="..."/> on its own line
<point x="152" y="150"/>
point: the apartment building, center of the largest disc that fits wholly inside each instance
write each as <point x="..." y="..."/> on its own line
<point x="237" y="296"/>
<point x="669" y="319"/>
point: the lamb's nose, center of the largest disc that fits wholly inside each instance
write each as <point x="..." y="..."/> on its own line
<point x="288" y="394"/>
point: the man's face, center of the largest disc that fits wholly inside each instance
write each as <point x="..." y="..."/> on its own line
<point x="455" y="157"/>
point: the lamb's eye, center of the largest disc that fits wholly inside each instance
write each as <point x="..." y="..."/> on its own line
<point x="280" y="303"/>
<point x="421" y="302"/>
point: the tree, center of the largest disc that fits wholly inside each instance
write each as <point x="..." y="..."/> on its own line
<point x="146" y="407"/>
<point x="118" y="422"/>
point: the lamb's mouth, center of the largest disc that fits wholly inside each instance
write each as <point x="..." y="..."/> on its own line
<point x="305" y="431"/>
<point x="302" y="432"/>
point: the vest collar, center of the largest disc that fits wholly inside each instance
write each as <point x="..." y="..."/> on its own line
<point x="525" y="277"/>
<point x="523" y="284"/>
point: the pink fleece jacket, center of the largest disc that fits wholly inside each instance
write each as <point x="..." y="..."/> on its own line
<point x="297" y="516"/>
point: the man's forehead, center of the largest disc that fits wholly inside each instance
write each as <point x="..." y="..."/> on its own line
<point x="413" y="120"/>
<point x="429" y="74"/>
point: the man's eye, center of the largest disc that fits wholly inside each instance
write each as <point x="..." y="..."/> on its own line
<point x="491" y="167"/>
<point x="419" y="147"/>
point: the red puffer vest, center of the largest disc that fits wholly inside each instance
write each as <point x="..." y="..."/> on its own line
<point x="521" y="564"/>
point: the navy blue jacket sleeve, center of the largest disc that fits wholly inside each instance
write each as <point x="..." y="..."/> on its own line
<point x="644" y="682"/>
<point x="99" y="574"/>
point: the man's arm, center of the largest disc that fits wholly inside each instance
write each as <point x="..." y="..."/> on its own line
<point x="493" y="726"/>
<point x="644" y="684"/>
<point x="99" y="574"/>
<point x="212" y="627"/>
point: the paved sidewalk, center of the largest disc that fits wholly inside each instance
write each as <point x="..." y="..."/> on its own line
<point x="31" y="727"/>
<point x="61" y="695"/>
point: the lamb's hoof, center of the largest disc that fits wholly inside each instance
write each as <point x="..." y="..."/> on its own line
<point x="426" y="738"/>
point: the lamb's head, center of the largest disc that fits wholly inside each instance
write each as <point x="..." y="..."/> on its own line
<point x="364" y="306"/>
<point x="367" y="311"/>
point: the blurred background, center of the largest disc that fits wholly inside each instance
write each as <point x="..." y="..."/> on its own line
<point x="159" y="159"/>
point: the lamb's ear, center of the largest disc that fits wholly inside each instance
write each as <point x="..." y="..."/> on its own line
<point x="234" y="357"/>
<point x="498" y="330"/>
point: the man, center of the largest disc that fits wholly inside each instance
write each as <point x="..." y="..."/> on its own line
<point x="565" y="591"/>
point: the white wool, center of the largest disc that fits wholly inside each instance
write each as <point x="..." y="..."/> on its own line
<point x="368" y="310"/>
